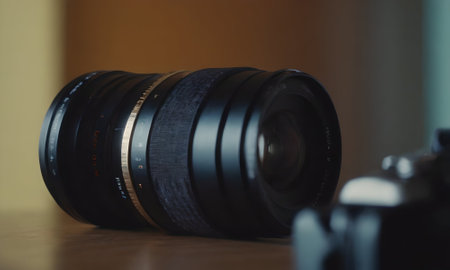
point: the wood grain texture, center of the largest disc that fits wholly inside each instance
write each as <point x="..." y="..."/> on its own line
<point x="31" y="240"/>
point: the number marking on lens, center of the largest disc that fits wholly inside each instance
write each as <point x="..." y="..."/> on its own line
<point x="125" y="150"/>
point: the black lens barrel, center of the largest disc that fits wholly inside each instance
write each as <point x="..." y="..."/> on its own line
<point x="182" y="151"/>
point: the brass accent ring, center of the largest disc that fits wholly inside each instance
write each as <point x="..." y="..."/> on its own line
<point x="125" y="149"/>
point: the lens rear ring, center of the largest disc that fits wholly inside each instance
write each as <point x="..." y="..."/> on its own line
<point x="50" y="136"/>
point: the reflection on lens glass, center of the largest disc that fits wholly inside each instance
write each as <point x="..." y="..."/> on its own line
<point x="281" y="149"/>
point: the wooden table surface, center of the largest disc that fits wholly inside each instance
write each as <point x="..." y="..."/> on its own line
<point x="30" y="240"/>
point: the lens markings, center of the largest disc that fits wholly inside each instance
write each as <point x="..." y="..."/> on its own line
<point x="125" y="150"/>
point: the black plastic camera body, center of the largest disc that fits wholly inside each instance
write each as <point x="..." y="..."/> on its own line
<point x="398" y="218"/>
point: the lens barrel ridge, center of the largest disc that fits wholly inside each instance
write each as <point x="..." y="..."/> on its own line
<point x="216" y="152"/>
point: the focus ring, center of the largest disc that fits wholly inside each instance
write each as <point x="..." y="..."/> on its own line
<point x="169" y="149"/>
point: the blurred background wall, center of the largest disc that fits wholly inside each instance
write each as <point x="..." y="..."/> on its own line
<point x="30" y="73"/>
<point x="385" y="64"/>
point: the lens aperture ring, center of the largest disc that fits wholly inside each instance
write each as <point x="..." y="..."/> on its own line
<point x="125" y="149"/>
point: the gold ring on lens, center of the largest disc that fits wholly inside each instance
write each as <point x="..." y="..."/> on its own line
<point x="125" y="149"/>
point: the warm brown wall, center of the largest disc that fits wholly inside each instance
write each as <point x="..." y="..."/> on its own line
<point x="165" y="35"/>
<point x="332" y="40"/>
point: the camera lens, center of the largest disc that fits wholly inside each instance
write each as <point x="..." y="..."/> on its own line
<point x="215" y="152"/>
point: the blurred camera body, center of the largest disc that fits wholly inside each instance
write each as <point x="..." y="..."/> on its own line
<point x="397" y="218"/>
